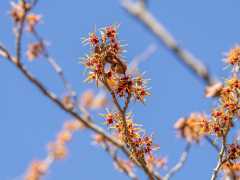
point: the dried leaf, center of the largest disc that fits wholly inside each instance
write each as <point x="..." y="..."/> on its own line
<point x="214" y="90"/>
<point x="87" y="98"/>
<point x="119" y="67"/>
<point x="180" y="124"/>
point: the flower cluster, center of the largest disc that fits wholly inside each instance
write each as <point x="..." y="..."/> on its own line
<point x="189" y="128"/>
<point x="108" y="69"/>
<point x="227" y="112"/>
<point x="233" y="169"/>
<point x="233" y="58"/>
<point x="223" y="115"/>
<point x="139" y="140"/>
<point x="107" y="50"/>
<point x="57" y="150"/>
<point x="233" y="151"/>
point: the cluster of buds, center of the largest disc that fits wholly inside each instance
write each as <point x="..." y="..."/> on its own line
<point x="189" y="128"/>
<point x="17" y="11"/>
<point x="91" y="101"/>
<point x="100" y="140"/>
<point x="107" y="50"/>
<point x="156" y="162"/>
<point x="32" y="20"/>
<point x="139" y="140"/>
<point x="121" y="163"/>
<point x="57" y="150"/>
<point x="35" y="50"/>
<point x="19" y="14"/>
<point x="36" y="170"/>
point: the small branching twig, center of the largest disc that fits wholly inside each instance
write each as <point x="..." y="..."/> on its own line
<point x="19" y="32"/>
<point x="180" y="164"/>
<point x="113" y="155"/>
<point x="34" y="3"/>
<point x="63" y="78"/>
<point x="212" y="143"/>
<point x="142" y="57"/>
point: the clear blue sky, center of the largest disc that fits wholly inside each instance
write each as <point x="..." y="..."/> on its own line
<point x="29" y="120"/>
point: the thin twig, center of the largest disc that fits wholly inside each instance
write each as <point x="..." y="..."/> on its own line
<point x="180" y="164"/>
<point x="113" y="155"/>
<point x="19" y="33"/>
<point x="160" y="31"/>
<point x="34" y="3"/>
<point x="60" y="72"/>
<point x="4" y="53"/>
<point x="212" y="143"/>
<point x="142" y="57"/>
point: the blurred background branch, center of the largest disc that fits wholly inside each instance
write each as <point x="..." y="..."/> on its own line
<point x="139" y="11"/>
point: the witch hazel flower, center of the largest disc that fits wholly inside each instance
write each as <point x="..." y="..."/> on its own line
<point x="107" y="49"/>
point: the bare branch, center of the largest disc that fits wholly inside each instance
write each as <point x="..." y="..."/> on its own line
<point x="180" y="164"/>
<point x="4" y="53"/>
<point x="142" y="57"/>
<point x="220" y="159"/>
<point x="142" y="4"/>
<point x="160" y="31"/>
